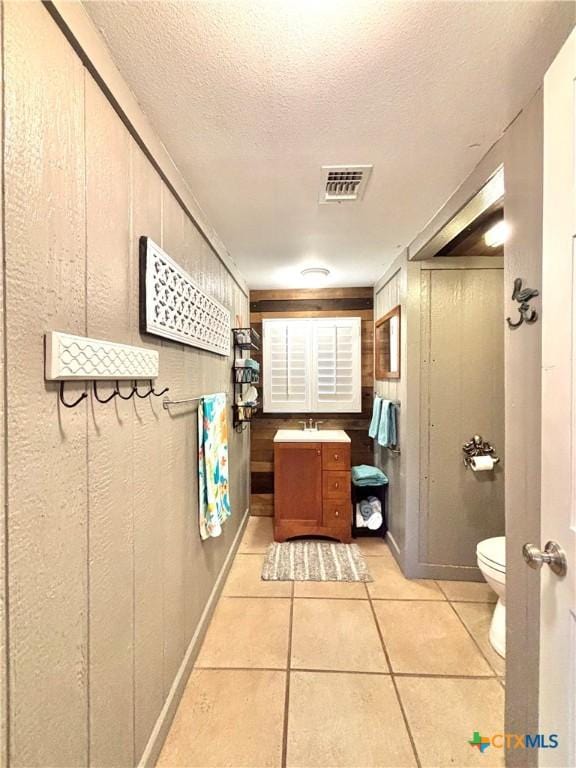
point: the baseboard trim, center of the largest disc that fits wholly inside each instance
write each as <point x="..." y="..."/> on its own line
<point x="158" y="736"/>
<point x="391" y="541"/>
<point x="446" y="572"/>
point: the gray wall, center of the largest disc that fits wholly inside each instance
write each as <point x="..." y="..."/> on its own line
<point x="401" y="285"/>
<point x="523" y="358"/>
<point x="107" y="576"/>
<point x="520" y="153"/>
<point x="462" y="394"/>
<point x="389" y="293"/>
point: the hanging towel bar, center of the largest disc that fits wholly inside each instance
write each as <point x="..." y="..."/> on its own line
<point x="166" y="403"/>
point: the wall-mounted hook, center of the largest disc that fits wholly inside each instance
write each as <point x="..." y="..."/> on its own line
<point x="105" y="399"/>
<point x="523" y="296"/>
<point x="162" y="392"/>
<point x="146" y="394"/>
<point x="75" y="403"/>
<point x="124" y="397"/>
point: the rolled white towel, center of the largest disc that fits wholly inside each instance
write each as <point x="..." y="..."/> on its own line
<point x="366" y="509"/>
<point x="374" y="521"/>
<point x="360" y="522"/>
<point x="375" y="503"/>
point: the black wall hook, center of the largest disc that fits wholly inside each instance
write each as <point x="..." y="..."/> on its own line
<point x="124" y="397"/>
<point x="105" y="399"/>
<point x="146" y="394"/>
<point x="75" y="403"/>
<point x="162" y="392"/>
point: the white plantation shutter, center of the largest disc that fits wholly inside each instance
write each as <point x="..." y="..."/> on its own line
<point x="338" y="369"/>
<point x="286" y="366"/>
<point x="312" y="365"/>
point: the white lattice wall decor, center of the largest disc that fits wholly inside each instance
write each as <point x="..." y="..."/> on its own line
<point x="174" y="307"/>
<point x="71" y="357"/>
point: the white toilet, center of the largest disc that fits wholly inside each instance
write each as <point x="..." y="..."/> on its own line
<point x="491" y="556"/>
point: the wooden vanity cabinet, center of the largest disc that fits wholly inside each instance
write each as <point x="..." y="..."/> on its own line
<point x="312" y="493"/>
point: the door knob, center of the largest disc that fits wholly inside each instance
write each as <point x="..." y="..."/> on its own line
<point x="553" y="555"/>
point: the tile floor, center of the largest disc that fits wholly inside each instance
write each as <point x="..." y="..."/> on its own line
<point x="393" y="673"/>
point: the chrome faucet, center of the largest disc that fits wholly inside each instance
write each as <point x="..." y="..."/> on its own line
<point x="310" y="425"/>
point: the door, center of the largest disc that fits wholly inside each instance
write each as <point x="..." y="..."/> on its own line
<point x="462" y="375"/>
<point x="298" y="482"/>
<point x="558" y="604"/>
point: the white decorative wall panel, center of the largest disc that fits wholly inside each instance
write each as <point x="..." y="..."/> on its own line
<point x="71" y="357"/>
<point x="174" y="307"/>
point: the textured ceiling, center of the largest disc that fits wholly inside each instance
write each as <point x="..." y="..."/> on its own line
<point x="251" y="98"/>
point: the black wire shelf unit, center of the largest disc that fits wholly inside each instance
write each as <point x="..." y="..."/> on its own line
<point x="245" y="340"/>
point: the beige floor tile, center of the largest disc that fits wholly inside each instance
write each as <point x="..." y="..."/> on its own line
<point x="244" y="580"/>
<point x="259" y="534"/>
<point x="468" y="591"/>
<point x="391" y="584"/>
<point x="330" y="589"/>
<point x="247" y="632"/>
<point x="477" y="617"/>
<point x="336" y="634"/>
<point x="428" y="638"/>
<point x="372" y="547"/>
<point x="443" y="715"/>
<point x="228" y="718"/>
<point x="339" y="719"/>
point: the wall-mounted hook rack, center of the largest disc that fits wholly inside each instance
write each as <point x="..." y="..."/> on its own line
<point x="73" y="358"/>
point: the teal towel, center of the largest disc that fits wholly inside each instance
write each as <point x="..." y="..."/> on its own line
<point x="376" y="408"/>
<point x="388" y="431"/>
<point x="363" y="475"/>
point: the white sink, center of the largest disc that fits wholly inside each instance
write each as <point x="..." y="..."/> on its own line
<point x="311" y="436"/>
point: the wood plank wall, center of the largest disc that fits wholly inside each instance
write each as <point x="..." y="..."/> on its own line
<point x="324" y="302"/>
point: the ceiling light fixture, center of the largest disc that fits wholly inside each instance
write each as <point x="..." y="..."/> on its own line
<point x="315" y="275"/>
<point x="496" y="235"/>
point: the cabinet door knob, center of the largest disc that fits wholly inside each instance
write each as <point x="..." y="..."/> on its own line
<point x="318" y="452"/>
<point x="337" y="513"/>
<point x="336" y="457"/>
<point x="336" y="485"/>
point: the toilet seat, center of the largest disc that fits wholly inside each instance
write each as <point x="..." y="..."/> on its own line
<point x="492" y="552"/>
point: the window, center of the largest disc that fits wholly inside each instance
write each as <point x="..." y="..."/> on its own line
<point x="312" y="365"/>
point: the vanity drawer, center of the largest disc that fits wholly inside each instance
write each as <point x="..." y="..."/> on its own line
<point x="336" y="485"/>
<point x="336" y="512"/>
<point x="336" y="456"/>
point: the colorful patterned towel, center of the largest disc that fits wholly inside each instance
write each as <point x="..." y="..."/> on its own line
<point x="214" y="501"/>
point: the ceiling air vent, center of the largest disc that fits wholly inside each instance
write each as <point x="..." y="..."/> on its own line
<point x="344" y="182"/>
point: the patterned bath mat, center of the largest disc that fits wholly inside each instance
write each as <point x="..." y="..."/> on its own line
<point x="314" y="561"/>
